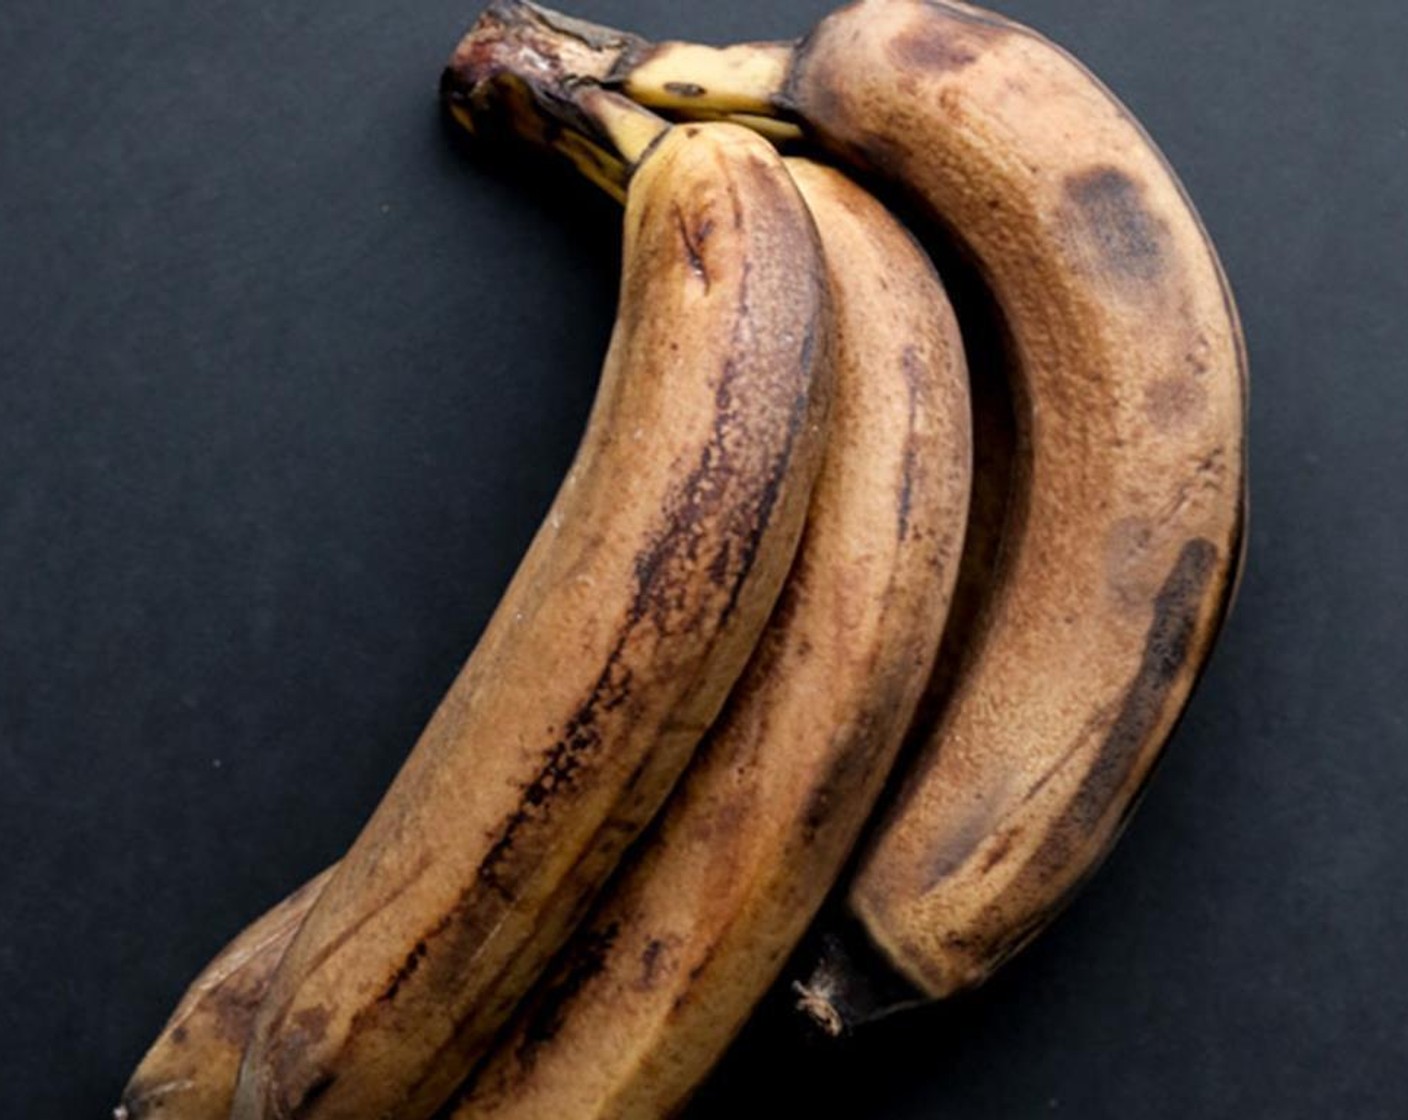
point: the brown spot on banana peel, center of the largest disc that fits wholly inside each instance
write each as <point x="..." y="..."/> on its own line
<point x="1173" y="403"/>
<point x="406" y="971"/>
<point x="1169" y="651"/>
<point x="653" y="960"/>
<point x="693" y="241"/>
<point x="1128" y="544"/>
<point x="1114" y="227"/>
<point x="586" y="958"/>
<point x="909" y="361"/>
<point x="999" y="850"/>
<point x="583" y="958"/>
<point x="229" y="1008"/>
<point x="836" y="789"/>
<point x="299" y="1081"/>
<point x="936" y="49"/>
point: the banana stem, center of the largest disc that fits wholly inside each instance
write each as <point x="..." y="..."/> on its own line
<point x="594" y="163"/>
<point x="695" y="80"/>
<point x="632" y="129"/>
<point x="536" y="76"/>
<point x="591" y="93"/>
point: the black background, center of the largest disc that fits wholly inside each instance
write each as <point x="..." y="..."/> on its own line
<point x="288" y="375"/>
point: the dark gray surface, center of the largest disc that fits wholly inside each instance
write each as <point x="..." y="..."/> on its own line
<point x="288" y="375"/>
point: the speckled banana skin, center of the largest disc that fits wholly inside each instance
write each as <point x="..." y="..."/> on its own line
<point x="633" y="612"/>
<point x="696" y="928"/>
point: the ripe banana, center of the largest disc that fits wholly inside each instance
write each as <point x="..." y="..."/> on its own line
<point x="636" y="607"/>
<point x="1124" y="538"/>
<point x="700" y="921"/>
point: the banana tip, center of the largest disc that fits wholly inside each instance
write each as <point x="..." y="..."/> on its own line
<point x="454" y="98"/>
<point x="817" y="1006"/>
<point x="455" y="86"/>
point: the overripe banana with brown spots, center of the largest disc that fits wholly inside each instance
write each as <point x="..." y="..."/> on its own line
<point x="1124" y="535"/>
<point x="700" y="921"/>
<point x="636" y="607"/>
<point x="858" y="625"/>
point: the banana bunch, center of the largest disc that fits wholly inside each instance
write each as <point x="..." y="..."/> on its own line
<point x="819" y="604"/>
